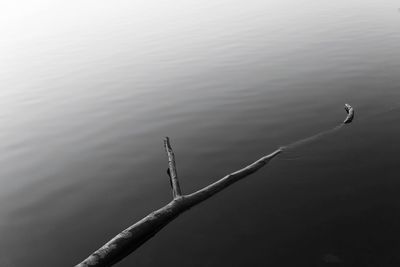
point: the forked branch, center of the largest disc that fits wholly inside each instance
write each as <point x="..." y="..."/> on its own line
<point x="134" y="236"/>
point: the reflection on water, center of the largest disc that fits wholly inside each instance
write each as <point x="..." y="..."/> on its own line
<point x="89" y="89"/>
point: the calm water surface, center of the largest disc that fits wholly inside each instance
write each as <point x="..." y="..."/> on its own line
<point x="88" y="90"/>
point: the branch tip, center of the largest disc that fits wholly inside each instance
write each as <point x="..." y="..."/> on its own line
<point x="176" y="189"/>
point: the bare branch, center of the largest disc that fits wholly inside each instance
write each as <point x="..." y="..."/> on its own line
<point x="134" y="236"/>
<point x="229" y="179"/>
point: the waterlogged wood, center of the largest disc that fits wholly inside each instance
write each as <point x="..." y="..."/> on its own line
<point x="134" y="236"/>
<point x="131" y="238"/>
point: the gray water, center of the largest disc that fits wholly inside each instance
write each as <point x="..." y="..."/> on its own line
<point x="88" y="90"/>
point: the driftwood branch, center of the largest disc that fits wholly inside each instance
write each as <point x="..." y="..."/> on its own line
<point x="134" y="236"/>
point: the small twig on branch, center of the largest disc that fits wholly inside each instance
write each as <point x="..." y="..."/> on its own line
<point x="176" y="189"/>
